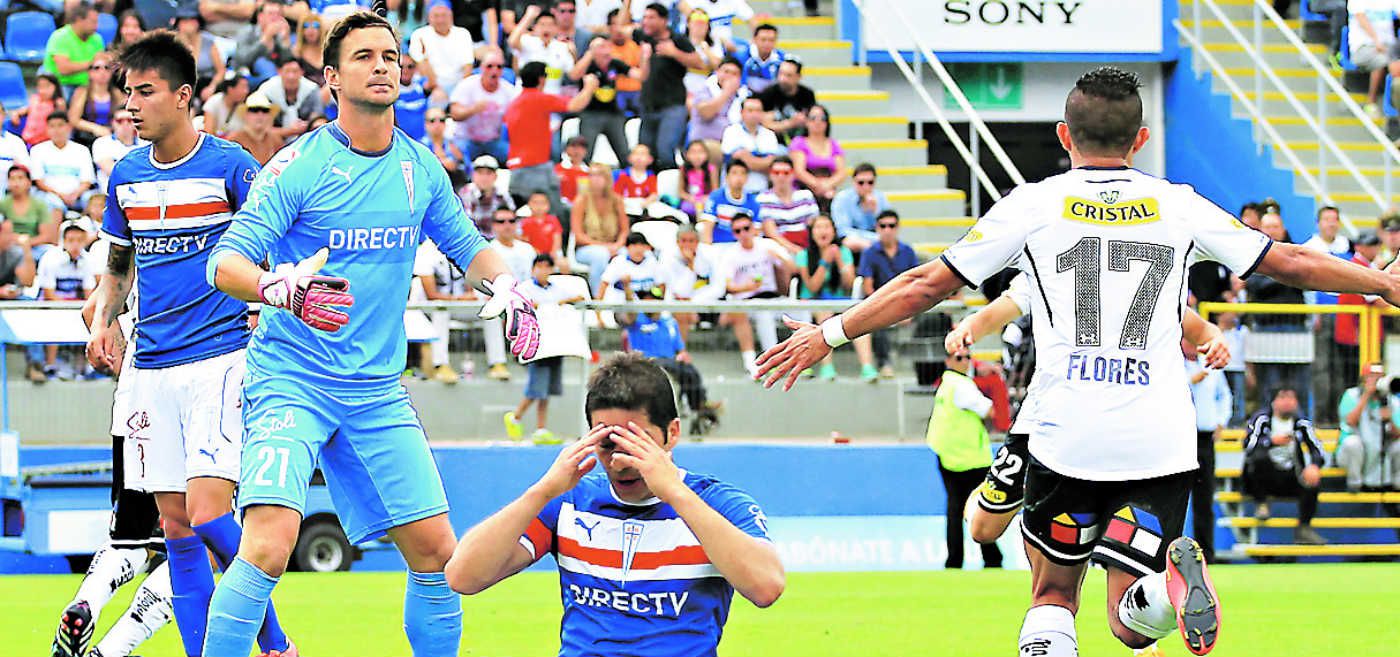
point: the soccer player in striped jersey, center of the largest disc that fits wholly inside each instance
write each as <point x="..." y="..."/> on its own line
<point x="1112" y="444"/>
<point x="355" y="197"/>
<point x="649" y="555"/>
<point x="168" y="203"/>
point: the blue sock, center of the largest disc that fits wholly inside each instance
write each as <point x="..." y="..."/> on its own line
<point x="191" y="584"/>
<point x="222" y="535"/>
<point x="432" y="616"/>
<point x="236" y="611"/>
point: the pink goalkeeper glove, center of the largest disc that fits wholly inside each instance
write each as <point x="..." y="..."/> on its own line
<point x="313" y="299"/>
<point x="522" y="327"/>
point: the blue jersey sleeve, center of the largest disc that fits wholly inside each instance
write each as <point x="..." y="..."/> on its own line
<point x="242" y="171"/>
<point x="737" y="507"/>
<point x="267" y="213"/>
<point x="114" y="224"/>
<point x="539" y="536"/>
<point x="447" y="224"/>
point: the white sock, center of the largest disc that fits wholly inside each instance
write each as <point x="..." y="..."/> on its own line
<point x="150" y="610"/>
<point x="1146" y="608"/>
<point x="750" y="360"/>
<point x="111" y="569"/>
<point x="1048" y="631"/>
<point x="765" y="327"/>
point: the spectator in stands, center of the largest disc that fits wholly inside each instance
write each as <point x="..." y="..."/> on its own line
<point x="825" y="271"/>
<point x="90" y="108"/>
<point x="129" y="28"/>
<point x="711" y="53"/>
<point x="637" y="183"/>
<point x="209" y="61"/>
<point x="722" y="14"/>
<point x="545" y="376"/>
<point x="629" y="52"/>
<point x="595" y="15"/>
<point x="598" y="223"/>
<point x="63" y="167"/>
<point x="71" y="48"/>
<point x="785" y="211"/>
<point x="568" y="29"/>
<point x="519" y="257"/>
<point x="716" y="105"/>
<point x="1262" y="289"/>
<point x="64" y="275"/>
<point x="659" y="338"/>
<point x="727" y="202"/>
<point x="763" y="59"/>
<point x="855" y="209"/>
<point x="1369" y="447"/>
<point x="443" y="51"/>
<point x="688" y="272"/>
<point x="1328" y="238"/>
<point x="106" y="151"/>
<point x="534" y="41"/>
<point x="634" y="269"/>
<point x="572" y="169"/>
<point x="543" y="230"/>
<point x="412" y="104"/>
<point x="13" y="150"/>
<point x="441" y="281"/>
<point x="221" y="110"/>
<point x="1390" y="238"/>
<point x="957" y="433"/>
<point x="47" y="99"/>
<point x="480" y="196"/>
<point x="1348" y="327"/>
<point x="1373" y="45"/>
<point x="1251" y="214"/>
<point x="528" y="122"/>
<point x="667" y="56"/>
<point x="753" y="144"/>
<point x="788" y="101"/>
<point x="879" y="264"/>
<point x="753" y="268"/>
<point x="435" y="126"/>
<point x="817" y="158"/>
<point x="257" y="134"/>
<point x="265" y="45"/>
<point x="1283" y="458"/>
<point x="16" y="262"/>
<point x="1237" y="373"/>
<point x="224" y="18"/>
<point x="602" y="115"/>
<point x="28" y="216"/>
<point x="699" y="176"/>
<point x="479" y="106"/>
<point x="307" y="48"/>
<point x="296" y="98"/>
<point x="1211" y="395"/>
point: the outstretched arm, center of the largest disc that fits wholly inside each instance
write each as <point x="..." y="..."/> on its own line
<point x="987" y="320"/>
<point x="1306" y="269"/>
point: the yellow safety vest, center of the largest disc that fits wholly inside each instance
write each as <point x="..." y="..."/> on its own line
<point x="957" y="435"/>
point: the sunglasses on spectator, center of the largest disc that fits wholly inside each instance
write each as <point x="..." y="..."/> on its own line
<point x="505" y="221"/>
<point x="865" y="181"/>
<point x="259" y="110"/>
<point x="889" y="226"/>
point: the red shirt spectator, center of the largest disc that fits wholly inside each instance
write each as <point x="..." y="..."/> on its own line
<point x="629" y="186"/>
<point x="542" y="231"/>
<point x="1348" y="327"/>
<point x="569" y="175"/>
<point x="527" y="120"/>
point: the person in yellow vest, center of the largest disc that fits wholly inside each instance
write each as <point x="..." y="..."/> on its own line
<point x="957" y="432"/>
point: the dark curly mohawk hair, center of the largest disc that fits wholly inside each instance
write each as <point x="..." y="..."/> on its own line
<point x="1104" y="111"/>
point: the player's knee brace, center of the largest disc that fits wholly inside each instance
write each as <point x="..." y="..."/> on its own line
<point x="1048" y="631"/>
<point x="432" y="615"/>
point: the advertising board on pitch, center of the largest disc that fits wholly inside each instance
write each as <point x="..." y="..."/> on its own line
<point x="1021" y="26"/>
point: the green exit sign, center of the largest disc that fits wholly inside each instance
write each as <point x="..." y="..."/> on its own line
<point x="991" y="85"/>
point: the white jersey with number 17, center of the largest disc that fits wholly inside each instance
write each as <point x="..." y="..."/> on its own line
<point x="1106" y="252"/>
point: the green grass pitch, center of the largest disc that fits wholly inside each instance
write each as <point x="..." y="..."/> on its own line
<point x="1274" y="611"/>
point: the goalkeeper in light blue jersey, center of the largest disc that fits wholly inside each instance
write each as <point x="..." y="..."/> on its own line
<point x="342" y="211"/>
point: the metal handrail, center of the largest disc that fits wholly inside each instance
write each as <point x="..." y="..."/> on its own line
<point x="941" y="118"/>
<point x="1253" y="110"/>
<point x="956" y="92"/>
<point x="1325" y="140"/>
<point x="649" y="306"/>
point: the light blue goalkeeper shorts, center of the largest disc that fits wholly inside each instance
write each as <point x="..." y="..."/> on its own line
<point x="372" y="450"/>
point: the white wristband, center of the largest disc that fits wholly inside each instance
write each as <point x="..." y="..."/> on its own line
<point x="833" y="333"/>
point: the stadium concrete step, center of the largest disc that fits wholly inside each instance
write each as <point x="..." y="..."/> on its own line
<point x="1370" y="155"/>
<point x="837" y="78"/>
<point x="935" y="203"/>
<point x="1296" y="79"/>
<point x="1234" y="473"/>
<point x="1233" y="55"/>
<point x="1341" y="180"/>
<point x="944" y="230"/>
<point x="1339" y="128"/>
<point x="1337" y="550"/>
<point x="915" y="178"/>
<point x="1317" y="523"/>
<point x="886" y="152"/>
<point x="1214" y="31"/>
<point x="776" y="8"/>
<point x="1275" y="103"/>
<point x="869" y="128"/>
<point x="1234" y="9"/>
<point x="792" y="28"/>
<point x="1325" y="497"/>
<point x="819" y="52"/>
<point x="930" y="250"/>
<point x="855" y="103"/>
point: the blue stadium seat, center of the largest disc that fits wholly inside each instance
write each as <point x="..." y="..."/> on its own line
<point x="107" y="27"/>
<point x="12" y="92"/>
<point x="26" y="34"/>
<point x="1388" y="102"/>
<point x="1306" y="13"/>
<point x="1345" y="51"/>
